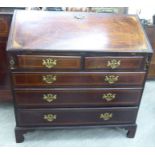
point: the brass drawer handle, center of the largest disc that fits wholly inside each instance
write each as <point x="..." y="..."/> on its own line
<point x="106" y="116"/>
<point x="114" y="63"/>
<point x="50" y="117"/>
<point x="49" y="97"/>
<point x="49" y="62"/>
<point x="111" y="79"/>
<point x="49" y="78"/>
<point x="109" y="97"/>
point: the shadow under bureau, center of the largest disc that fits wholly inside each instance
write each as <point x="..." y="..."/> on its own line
<point x="76" y="70"/>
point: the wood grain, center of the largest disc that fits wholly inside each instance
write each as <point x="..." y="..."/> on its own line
<point x="36" y="62"/>
<point x="77" y="97"/>
<point x="125" y="62"/>
<point x="81" y="116"/>
<point x="74" y="79"/>
<point x="72" y="31"/>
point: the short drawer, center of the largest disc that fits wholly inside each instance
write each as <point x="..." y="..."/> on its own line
<point x="120" y="63"/>
<point x="91" y="97"/>
<point x="76" y="116"/>
<point x="48" y="62"/>
<point x="80" y="79"/>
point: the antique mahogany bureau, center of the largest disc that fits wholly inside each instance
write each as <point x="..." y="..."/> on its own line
<point x="76" y="70"/>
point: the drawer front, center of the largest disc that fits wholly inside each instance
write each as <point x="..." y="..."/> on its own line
<point x="82" y="79"/>
<point x="135" y="62"/>
<point x="77" y="97"/>
<point x="5" y="21"/>
<point x="75" y="116"/>
<point x="48" y="62"/>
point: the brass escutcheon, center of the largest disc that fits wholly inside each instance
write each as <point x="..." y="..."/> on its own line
<point x="49" y="62"/>
<point x="49" y="78"/>
<point x="50" y="117"/>
<point x="108" y="97"/>
<point x="106" y="116"/>
<point x="12" y="63"/>
<point x="49" y="97"/>
<point x="111" y="79"/>
<point x="113" y="63"/>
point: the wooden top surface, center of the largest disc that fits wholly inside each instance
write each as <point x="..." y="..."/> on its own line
<point x="68" y="31"/>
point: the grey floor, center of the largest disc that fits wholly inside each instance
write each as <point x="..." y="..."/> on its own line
<point x="145" y="135"/>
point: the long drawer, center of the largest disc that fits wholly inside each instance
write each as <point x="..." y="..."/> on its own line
<point x="63" y="79"/>
<point x="47" y="62"/>
<point x="76" y="116"/>
<point x="109" y="62"/>
<point x="77" y="97"/>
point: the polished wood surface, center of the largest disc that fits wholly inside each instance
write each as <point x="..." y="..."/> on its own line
<point x="72" y="79"/>
<point x="76" y="32"/>
<point x="45" y="61"/>
<point x="93" y="97"/>
<point x="73" y="116"/>
<point x="124" y="62"/>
